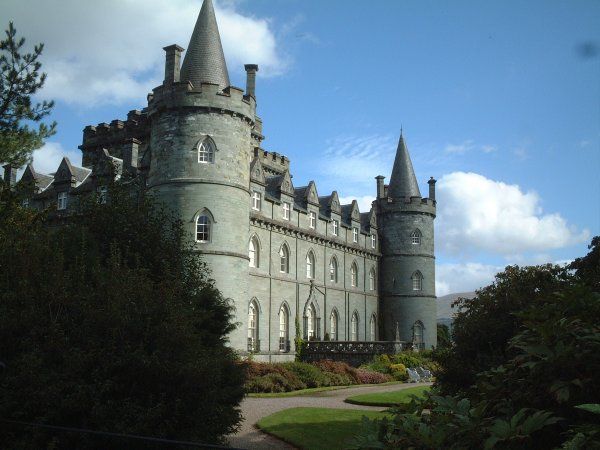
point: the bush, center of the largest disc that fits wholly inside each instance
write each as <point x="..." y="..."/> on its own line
<point x="274" y="382"/>
<point x="371" y="377"/>
<point x="399" y="372"/>
<point x="339" y="368"/>
<point x="310" y="375"/>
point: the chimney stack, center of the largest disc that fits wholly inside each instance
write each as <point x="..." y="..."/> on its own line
<point x="10" y="176"/>
<point x="431" y="184"/>
<point x="172" y="63"/>
<point x="130" y="154"/>
<point x="380" y="186"/>
<point x="251" y="70"/>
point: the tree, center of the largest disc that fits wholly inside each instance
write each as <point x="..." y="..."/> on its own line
<point x="443" y="336"/>
<point x="110" y="322"/>
<point x="587" y="268"/>
<point x="20" y="79"/>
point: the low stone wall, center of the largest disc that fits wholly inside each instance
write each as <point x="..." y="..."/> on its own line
<point x="354" y="353"/>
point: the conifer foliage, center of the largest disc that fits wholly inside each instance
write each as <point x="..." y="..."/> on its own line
<point x="109" y="322"/>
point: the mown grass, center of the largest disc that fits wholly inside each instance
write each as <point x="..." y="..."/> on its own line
<point x="392" y="398"/>
<point x="317" y="428"/>
<point x="313" y="390"/>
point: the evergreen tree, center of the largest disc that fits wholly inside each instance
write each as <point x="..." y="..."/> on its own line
<point x="20" y="79"/>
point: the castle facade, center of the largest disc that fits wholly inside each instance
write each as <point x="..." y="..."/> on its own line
<point x="292" y="261"/>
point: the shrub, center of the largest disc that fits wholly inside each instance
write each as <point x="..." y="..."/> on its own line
<point x="274" y="382"/>
<point x="339" y="368"/>
<point x="310" y="375"/>
<point x="371" y="377"/>
<point x="399" y="372"/>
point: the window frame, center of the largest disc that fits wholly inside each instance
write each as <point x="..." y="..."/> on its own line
<point x="336" y="226"/>
<point x="207" y="232"/>
<point x="256" y="200"/>
<point x="284" y="259"/>
<point x="354" y="327"/>
<point x="253" y="331"/>
<point x="417" y="281"/>
<point x="254" y="253"/>
<point x="354" y="275"/>
<point x="286" y="209"/>
<point x="372" y="279"/>
<point x="310" y="265"/>
<point x="206" y="152"/>
<point x="62" y="200"/>
<point x="373" y="328"/>
<point x="333" y="325"/>
<point x="373" y="241"/>
<point x="333" y="270"/>
<point x="355" y="234"/>
<point x="415" y="237"/>
<point x="312" y="220"/>
<point x="284" y="329"/>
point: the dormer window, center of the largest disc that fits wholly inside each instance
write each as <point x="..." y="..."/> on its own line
<point x="336" y="226"/>
<point x="312" y="220"/>
<point x="354" y="234"/>
<point x="286" y="211"/>
<point x="373" y="241"/>
<point x="206" y="152"/>
<point x="256" y="200"/>
<point x="61" y="201"/>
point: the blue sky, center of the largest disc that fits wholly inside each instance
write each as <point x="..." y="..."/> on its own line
<point x="500" y="101"/>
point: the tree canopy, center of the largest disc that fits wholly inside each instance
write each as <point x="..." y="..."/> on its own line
<point x="110" y="322"/>
<point x="20" y="79"/>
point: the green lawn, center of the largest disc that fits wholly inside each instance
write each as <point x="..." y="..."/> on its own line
<point x="316" y="428"/>
<point x="388" y="398"/>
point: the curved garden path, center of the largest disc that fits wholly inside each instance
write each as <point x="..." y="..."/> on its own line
<point x="254" y="409"/>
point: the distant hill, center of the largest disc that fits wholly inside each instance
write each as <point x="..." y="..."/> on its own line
<point x="444" y="310"/>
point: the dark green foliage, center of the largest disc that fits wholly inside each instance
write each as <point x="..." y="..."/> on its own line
<point x="443" y="336"/>
<point x="587" y="268"/>
<point x="20" y="78"/>
<point x="110" y="323"/>
<point x="309" y="374"/>
<point x="535" y="386"/>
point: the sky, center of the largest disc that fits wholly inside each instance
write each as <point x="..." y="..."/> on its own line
<point x="499" y="101"/>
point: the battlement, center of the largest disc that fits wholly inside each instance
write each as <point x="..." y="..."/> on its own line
<point x="209" y="96"/>
<point x="272" y="161"/>
<point x="412" y="204"/>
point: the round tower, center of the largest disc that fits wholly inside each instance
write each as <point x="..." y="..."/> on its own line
<point x="407" y="271"/>
<point x="201" y="144"/>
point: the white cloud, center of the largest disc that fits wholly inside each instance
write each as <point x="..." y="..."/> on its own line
<point x="476" y="213"/>
<point x="451" y="278"/>
<point x="468" y="146"/>
<point x="364" y="202"/>
<point x="110" y="52"/>
<point x="47" y="158"/>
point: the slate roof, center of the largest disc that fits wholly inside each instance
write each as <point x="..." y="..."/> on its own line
<point x="403" y="182"/>
<point x="204" y="60"/>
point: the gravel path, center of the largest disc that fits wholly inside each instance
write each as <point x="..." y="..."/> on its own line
<point x="254" y="409"/>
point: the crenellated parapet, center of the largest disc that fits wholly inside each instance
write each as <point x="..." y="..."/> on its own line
<point x="417" y="205"/>
<point x="272" y="162"/>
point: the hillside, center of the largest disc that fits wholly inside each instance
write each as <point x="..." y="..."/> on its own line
<point x="444" y="309"/>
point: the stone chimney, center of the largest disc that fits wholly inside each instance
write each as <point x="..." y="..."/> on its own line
<point x="431" y="184"/>
<point x="380" y="186"/>
<point x="10" y="176"/>
<point x="172" y="63"/>
<point x="251" y="70"/>
<point x="130" y="155"/>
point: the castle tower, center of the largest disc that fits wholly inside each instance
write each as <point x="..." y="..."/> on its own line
<point x="201" y="143"/>
<point x="407" y="286"/>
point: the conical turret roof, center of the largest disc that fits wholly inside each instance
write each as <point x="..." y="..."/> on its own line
<point x="204" y="60"/>
<point x="403" y="182"/>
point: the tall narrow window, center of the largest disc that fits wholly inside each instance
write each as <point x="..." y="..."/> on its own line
<point x="336" y="226"/>
<point x="310" y="265"/>
<point x="256" y="200"/>
<point x="286" y="211"/>
<point x="312" y="220"/>
<point x="253" y="252"/>
<point x="354" y="327"/>
<point x="333" y="325"/>
<point x="415" y="237"/>
<point x="418" y="335"/>
<point x="202" y="229"/>
<point x="284" y="330"/>
<point x="417" y="281"/>
<point x="373" y="241"/>
<point x="373" y="328"/>
<point x="333" y="270"/>
<point x="354" y="234"/>
<point x="253" y="342"/>
<point x="61" y="201"/>
<point x="206" y="152"/>
<point x="354" y="275"/>
<point x="310" y="322"/>
<point x="372" y="280"/>
<point x="284" y="259"/>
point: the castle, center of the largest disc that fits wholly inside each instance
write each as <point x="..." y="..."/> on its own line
<point x="292" y="261"/>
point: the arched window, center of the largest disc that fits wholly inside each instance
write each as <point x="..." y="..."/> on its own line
<point x="310" y="322"/>
<point x="206" y="151"/>
<point x="415" y="237"/>
<point x="417" y="281"/>
<point x="333" y="270"/>
<point x="354" y="275"/>
<point x="284" y="259"/>
<point x="333" y="325"/>
<point x="354" y="327"/>
<point x="254" y="252"/>
<point x="373" y="328"/>
<point x="253" y="342"/>
<point x="418" y="335"/>
<point x="203" y="230"/>
<point x="310" y="265"/>
<point x="284" y="329"/>
<point x="372" y="279"/>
